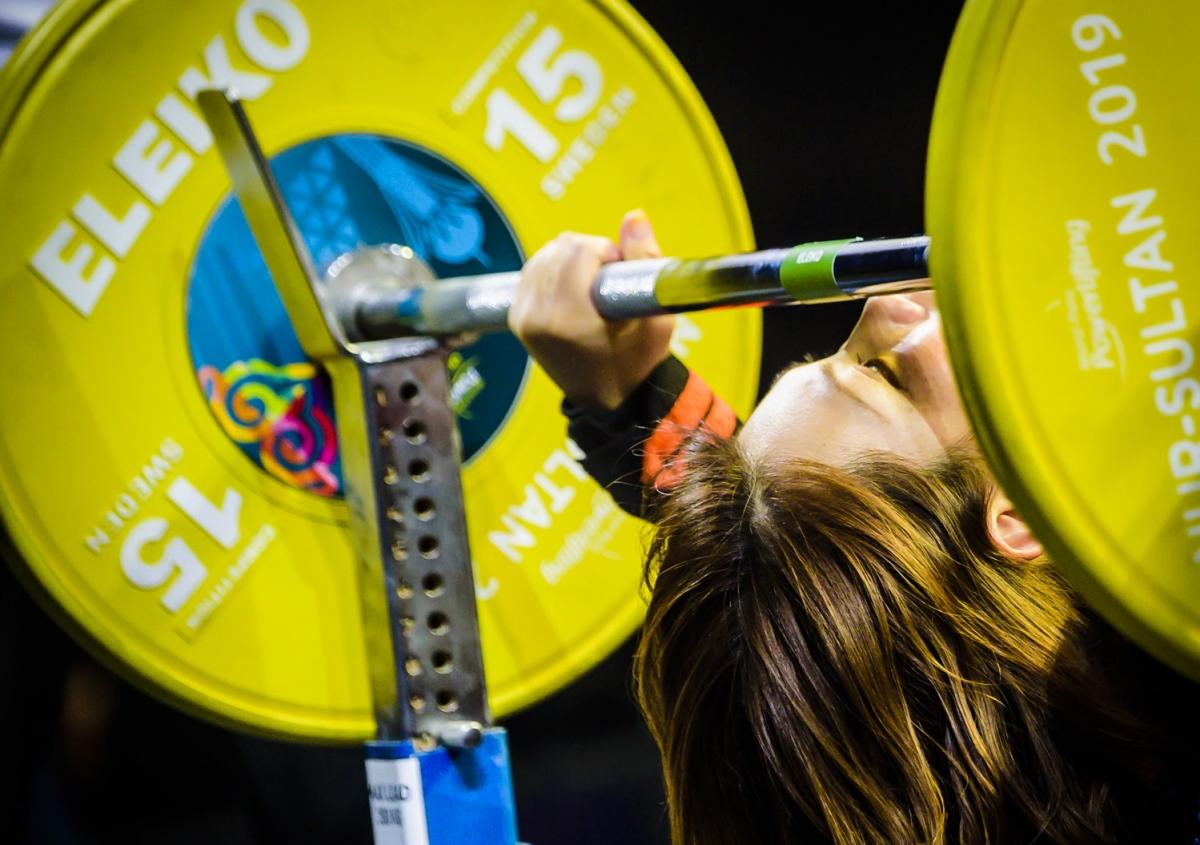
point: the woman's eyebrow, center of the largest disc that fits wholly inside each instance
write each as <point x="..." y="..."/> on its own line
<point x="809" y="358"/>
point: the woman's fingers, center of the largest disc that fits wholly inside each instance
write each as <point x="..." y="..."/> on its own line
<point x="554" y="293"/>
<point x="595" y="362"/>
<point x="555" y="288"/>
<point x="578" y="259"/>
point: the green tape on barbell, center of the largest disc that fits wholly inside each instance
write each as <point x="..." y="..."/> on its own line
<point x="807" y="271"/>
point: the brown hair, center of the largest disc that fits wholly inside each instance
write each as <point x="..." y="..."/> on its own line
<point x="841" y="654"/>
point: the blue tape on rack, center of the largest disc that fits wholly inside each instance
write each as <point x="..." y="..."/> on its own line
<point x="467" y="793"/>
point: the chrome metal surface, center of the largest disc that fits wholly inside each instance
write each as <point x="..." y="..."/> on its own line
<point x="374" y="280"/>
<point x="863" y="267"/>
<point x="626" y="290"/>
<point x="632" y="289"/>
<point x="474" y="303"/>
<point x="463" y="735"/>
<point x="278" y="238"/>
<point x="866" y="288"/>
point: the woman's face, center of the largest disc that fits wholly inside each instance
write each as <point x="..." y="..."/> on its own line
<point x="888" y="389"/>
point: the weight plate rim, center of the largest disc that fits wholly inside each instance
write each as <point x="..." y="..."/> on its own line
<point x="959" y="221"/>
<point x="34" y="51"/>
<point x="41" y="48"/>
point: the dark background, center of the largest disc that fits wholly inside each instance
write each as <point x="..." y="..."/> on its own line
<point x="826" y="110"/>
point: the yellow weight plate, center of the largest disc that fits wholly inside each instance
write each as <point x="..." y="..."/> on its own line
<point x="167" y="467"/>
<point x="1062" y="197"/>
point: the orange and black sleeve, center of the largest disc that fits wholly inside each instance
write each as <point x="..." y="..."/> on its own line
<point x="633" y="451"/>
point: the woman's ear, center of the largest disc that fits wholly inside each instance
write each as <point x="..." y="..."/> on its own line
<point x="1008" y="532"/>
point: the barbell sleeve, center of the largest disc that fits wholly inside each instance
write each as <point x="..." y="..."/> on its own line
<point x="813" y="272"/>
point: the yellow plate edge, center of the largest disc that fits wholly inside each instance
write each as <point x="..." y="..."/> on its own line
<point x="958" y="220"/>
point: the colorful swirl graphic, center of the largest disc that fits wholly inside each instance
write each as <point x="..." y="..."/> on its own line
<point x="276" y="414"/>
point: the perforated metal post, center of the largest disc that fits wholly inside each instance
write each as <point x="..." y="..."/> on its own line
<point x="415" y="511"/>
<point x="399" y="447"/>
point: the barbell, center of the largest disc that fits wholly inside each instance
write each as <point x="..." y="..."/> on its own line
<point x="393" y="304"/>
<point x="200" y="542"/>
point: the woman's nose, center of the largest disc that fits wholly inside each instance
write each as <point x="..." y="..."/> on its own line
<point x="900" y="309"/>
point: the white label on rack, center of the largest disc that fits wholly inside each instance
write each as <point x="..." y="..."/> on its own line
<point x="397" y="802"/>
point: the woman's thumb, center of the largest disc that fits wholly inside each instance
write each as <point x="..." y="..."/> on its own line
<point x="637" y="237"/>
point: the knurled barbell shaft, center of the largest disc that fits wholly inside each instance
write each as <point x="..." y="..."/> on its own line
<point x="813" y="272"/>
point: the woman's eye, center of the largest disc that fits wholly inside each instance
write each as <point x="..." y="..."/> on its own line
<point x="884" y="370"/>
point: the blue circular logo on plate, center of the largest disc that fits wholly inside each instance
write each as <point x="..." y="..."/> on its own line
<point x="344" y="192"/>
